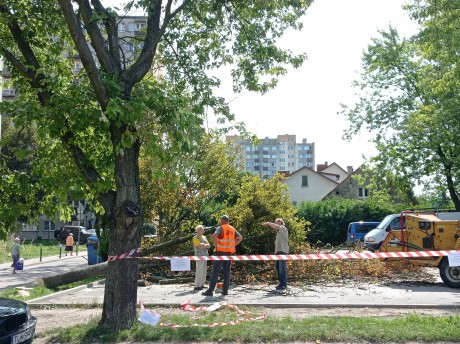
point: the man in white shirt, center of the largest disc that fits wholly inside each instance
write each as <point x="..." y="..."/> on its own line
<point x="281" y="247"/>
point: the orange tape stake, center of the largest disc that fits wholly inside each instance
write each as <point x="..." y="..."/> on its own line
<point x="151" y="318"/>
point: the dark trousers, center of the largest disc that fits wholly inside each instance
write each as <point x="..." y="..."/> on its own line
<point x="281" y="271"/>
<point x="218" y="265"/>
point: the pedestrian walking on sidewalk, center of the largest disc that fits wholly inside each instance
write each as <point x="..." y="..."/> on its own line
<point x="69" y="242"/>
<point x="281" y="247"/>
<point x="15" y="253"/>
<point x="200" y="246"/>
<point x="226" y="238"/>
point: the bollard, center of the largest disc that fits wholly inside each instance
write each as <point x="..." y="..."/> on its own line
<point x="76" y="251"/>
<point x="41" y="252"/>
<point x="60" y="250"/>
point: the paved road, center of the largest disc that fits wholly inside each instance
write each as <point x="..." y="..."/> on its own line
<point x="33" y="268"/>
<point x="381" y="295"/>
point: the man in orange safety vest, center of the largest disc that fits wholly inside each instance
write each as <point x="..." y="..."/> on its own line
<point x="225" y="238"/>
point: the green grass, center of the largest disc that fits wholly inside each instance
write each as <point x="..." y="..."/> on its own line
<point x="35" y="291"/>
<point x="413" y="327"/>
<point x="31" y="249"/>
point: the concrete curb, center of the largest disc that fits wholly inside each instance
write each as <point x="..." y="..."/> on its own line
<point x="36" y="303"/>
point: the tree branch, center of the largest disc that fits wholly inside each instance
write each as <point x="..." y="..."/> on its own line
<point x="31" y="73"/>
<point x="154" y="33"/>
<point x="85" y="54"/>
<point x="110" y="22"/>
<point x="97" y="40"/>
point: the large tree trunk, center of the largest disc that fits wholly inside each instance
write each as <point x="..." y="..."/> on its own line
<point x="125" y="222"/>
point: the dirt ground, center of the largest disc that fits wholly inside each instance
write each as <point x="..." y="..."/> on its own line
<point x="57" y="317"/>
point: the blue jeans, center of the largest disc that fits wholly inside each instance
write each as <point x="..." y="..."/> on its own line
<point x="218" y="265"/>
<point x="281" y="271"/>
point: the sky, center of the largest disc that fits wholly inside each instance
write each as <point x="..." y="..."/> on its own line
<point x="306" y="100"/>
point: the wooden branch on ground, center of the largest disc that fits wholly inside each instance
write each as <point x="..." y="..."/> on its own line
<point x="55" y="280"/>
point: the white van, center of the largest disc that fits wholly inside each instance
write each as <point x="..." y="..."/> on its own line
<point x="375" y="237"/>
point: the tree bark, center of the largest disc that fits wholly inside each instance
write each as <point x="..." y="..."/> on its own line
<point x="125" y="222"/>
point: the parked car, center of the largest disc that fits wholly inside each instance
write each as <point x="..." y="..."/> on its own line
<point x="17" y="324"/>
<point x="357" y="231"/>
<point x="375" y="237"/>
<point x="80" y="234"/>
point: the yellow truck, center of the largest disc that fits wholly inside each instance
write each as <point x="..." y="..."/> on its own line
<point x="426" y="232"/>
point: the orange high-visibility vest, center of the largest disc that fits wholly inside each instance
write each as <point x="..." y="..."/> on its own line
<point x="227" y="243"/>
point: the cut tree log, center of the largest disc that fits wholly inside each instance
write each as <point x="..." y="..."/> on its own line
<point x="55" y="280"/>
<point x="173" y="242"/>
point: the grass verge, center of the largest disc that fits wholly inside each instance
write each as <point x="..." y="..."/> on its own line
<point x="29" y="249"/>
<point x="35" y="291"/>
<point x="413" y="327"/>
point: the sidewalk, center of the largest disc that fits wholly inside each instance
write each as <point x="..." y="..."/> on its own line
<point x="352" y="295"/>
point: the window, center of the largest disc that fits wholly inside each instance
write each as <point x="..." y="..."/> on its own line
<point x="139" y="26"/>
<point x="282" y="160"/>
<point x="363" y="193"/>
<point x="121" y="27"/>
<point x="273" y="148"/>
<point x="248" y="149"/>
<point x="282" y="151"/>
<point x="48" y="226"/>
<point x="304" y="181"/>
<point x="77" y="65"/>
<point x="248" y="164"/>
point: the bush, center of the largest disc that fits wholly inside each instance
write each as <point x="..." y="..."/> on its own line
<point x="330" y="218"/>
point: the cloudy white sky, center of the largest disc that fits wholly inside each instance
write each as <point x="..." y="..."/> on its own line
<point x="306" y="101"/>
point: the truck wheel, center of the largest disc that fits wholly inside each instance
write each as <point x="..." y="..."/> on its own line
<point x="449" y="275"/>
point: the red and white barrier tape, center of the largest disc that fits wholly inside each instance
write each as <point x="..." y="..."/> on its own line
<point x="128" y="255"/>
<point x="152" y="318"/>
<point x="318" y="256"/>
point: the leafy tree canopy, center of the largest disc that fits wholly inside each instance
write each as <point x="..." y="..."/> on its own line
<point x="190" y="189"/>
<point x="409" y="98"/>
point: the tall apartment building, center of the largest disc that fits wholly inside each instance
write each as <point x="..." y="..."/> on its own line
<point x="274" y="155"/>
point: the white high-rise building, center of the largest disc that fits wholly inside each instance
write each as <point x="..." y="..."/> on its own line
<point x="274" y="155"/>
